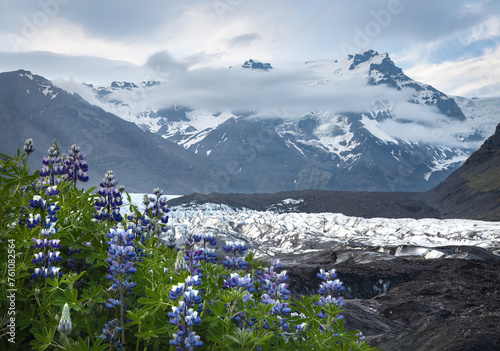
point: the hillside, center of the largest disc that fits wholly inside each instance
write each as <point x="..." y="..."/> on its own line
<point x="472" y="191"/>
<point x="31" y="107"/>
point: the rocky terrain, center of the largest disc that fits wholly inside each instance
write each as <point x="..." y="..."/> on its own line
<point x="410" y="284"/>
<point x="448" y="304"/>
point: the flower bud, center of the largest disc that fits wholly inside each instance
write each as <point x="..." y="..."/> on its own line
<point x="65" y="326"/>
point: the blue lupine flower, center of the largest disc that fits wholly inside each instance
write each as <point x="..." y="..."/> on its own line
<point x="111" y="332"/>
<point x="112" y="303"/>
<point x="37" y="201"/>
<point x="193" y="280"/>
<point x="121" y="253"/>
<point x="326" y="275"/>
<point x="184" y="315"/>
<point x="33" y="220"/>
<point x="330" y="286"/>
<point x="52" y="191"/>
<point x="50" y="272"/>
<point x="327" y="289"/>
<point x="75" y="165"/>
<point x="108" y="205"/>
<point x="232" y="246"/>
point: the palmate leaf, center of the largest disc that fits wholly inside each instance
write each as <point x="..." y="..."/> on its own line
<point x="43" y="339"/>
<point x="84" y="345"/>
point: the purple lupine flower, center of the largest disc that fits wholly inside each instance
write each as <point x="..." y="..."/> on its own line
<point x="111" y="333"/>
<point x="121" y="255"/>
<point x="184" y="315"/>
<point x="33" y="220"/>
<point x="235" y="246"/>
<point x="75" y="165"/>
<point x="38" y="201"/>
<point x="233" y="261"/>
<point x="107" y="207"/>
<point x="50" y="170"/>
<point x="155" y="216"/>
<point x="52" y="191"/>
<point x="328" y="289"/>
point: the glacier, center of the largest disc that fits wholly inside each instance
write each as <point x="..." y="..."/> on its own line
<point x="271" y="234"/>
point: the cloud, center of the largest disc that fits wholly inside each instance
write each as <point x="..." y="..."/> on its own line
<point x="418" y="34"/>
<point x="243" y="40"/>
<point x="294" y="91"/>
<point x="474" y="77"/>
<point x="80" y="68"/>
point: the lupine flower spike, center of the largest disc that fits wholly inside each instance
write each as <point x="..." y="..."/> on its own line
<point x="65" y="326"/>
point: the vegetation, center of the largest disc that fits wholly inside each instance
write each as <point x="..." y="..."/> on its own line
<point x="80" y="275"/>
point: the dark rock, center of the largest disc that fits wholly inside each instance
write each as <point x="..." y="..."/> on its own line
<point x="413" y="304"/>
<point x="254" y="64"/>
<point x="361" y="204"/>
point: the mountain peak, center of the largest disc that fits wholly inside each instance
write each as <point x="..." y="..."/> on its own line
<point x="123" y="85"/>
<point x="254" y="64"/>
<point x="362" y="56"/>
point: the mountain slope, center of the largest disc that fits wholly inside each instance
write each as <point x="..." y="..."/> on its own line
<point x="472" y="191"/>
<point x="31" y="107"/>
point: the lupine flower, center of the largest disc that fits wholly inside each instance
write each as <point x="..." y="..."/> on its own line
<point x="180" y="264"/>
<point x="51" y="171"/>
<point x="330" y="286"/>
<point x="108" y="205"/>
<point x="52" y="191"/>
<point x="45" y="257"/>
<point x="193" y="281"/>
<point x="233" y="261"/>
<point x="33" y="220"/>
<point x="170" y="240"/>
<point x="184" y="315"/>
<point x="328" y="289"/>
<point x="276" y="291"/>
<point x="76" y="166"/>
<point x="112" y="303"/>
<point x="111" y="332"/>
<point x="38" y="201"/>
<point x="28" y="146"/>
<point x="235" y="246"/>
<point x="326" y="275"/>
<point x="50" y="272"/>
<point x="65" y="326"/>
<point x="121" y="253"/>
<point x="155" y="215"/>
<point x="235" y="281"/>
<point x="190" y="340"/>
<point x="209" y="238"/>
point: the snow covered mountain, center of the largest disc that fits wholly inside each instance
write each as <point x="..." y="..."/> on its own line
<point x="394" y="133"/>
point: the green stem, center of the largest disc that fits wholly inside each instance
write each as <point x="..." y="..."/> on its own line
<point x="138" y="339"/>
<point x="122" y="318"/>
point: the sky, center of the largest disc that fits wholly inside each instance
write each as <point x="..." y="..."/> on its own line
<point x="453" y="45"/>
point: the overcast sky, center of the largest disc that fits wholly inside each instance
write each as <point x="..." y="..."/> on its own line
<point x="453" y="45"/>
